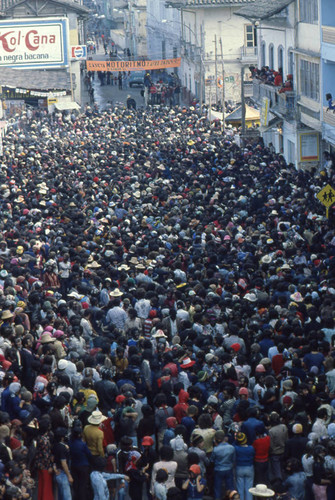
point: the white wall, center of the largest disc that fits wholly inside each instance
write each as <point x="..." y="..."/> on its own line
<point x="269" y="36"/>
<point x="308" y="37"/>
<point x="158" y="31"/>
<point x="290" y="136"/>
<point x="224" y="24"/>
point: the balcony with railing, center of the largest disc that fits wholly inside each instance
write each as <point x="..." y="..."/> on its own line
<point x="328" y="116"/>
<point x="328" y="125"/>
<point x="283" y="104"/>
<point x="140" y="4"/>
<point x="248" y="88"/>
<point x="249" y="55"/>
<point x="328" y="34"/>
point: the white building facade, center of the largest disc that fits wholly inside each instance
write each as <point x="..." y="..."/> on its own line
<point x="288" y="34"/>
<point x="206" y="24"/>
<point x="163" y="30"/>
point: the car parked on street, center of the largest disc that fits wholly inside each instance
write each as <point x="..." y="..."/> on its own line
<point x="137" y="79"/>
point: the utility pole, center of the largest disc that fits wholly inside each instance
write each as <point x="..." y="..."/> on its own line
<point x="201" y="71"/>
<point x="242" y="105"/>
<point x="223" y="91"/>
<point x="210" y="105"/>
<point x="216" y="71"/>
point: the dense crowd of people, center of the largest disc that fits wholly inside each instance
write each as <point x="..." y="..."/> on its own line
<point x="167" y="313"/>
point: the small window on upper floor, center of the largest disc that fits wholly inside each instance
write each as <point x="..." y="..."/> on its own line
<point x="309" y="11"/>
<point x="250" y="36"/>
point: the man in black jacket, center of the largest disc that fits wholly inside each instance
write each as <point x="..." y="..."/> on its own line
<point x="106" y="390"/>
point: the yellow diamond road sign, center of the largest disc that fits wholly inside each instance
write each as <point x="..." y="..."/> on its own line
<point x="326" y="196"/>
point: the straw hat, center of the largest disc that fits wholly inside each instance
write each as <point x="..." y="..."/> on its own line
<point x="140" y="267"/>
<point x="266" y="259"/>
<point x="116" y="293"/>
<point x="261" y="490"/>
<point x="297" y="297"/>
<point x="123" y="267"/>
<point x="250" y="297"/>
<point x="6" y="314"/>
<point x="46" y="338"/>
<point x="96" y="418"/>
<point x="159" y="334"/>
<point x="94" y="265"/>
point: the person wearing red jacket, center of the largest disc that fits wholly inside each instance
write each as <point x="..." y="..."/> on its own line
<point x="180" y="409"/>
<point x="278" y="361"/>
<point x="262" y="448"/>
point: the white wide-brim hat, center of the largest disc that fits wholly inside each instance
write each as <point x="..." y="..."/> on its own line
<point x="96" y="418"/>
<point x="261" y="490"/>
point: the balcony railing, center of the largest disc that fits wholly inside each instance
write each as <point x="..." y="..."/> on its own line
<point x="287" y="104"/>
<point x="328" y="116"/>
<point x="140" y="4"/>
<point x="328" y="34"/>
<point x="281" y="103"/>
<point x="249" y="54"/>
<point x="248" y="89"/>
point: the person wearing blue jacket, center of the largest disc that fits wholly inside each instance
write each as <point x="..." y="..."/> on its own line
<point x="244" y="465"/>
<point x="80" y="463"/>
<point x="99" y="480"/>
<point x="223" y="458"/>
<point x="11" y="403"/>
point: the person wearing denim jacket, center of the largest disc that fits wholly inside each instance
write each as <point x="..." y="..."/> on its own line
<point x="244" y="465"/>
<point x="223" y="458"/>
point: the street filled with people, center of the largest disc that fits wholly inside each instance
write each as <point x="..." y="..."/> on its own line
<point x="167" y="313"/>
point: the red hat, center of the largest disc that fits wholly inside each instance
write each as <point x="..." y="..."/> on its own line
<point x="147" y="441"/>
<point x="287" y="400"/>
<point x="120" y="398"/>
<point x="243" y="391"/>
<point x="195" y="469"/>
<point x="236" y="347"/>
<point x="187" y="363"/>
<point x="172" y="422"/>
<point x="6" y="364"/>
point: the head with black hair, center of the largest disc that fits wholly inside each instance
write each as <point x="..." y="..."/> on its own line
<point x="166" y="453"/>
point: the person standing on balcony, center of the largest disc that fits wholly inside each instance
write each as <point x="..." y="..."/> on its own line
<point x="278" y="81"/>
<point x="329" y="99"/>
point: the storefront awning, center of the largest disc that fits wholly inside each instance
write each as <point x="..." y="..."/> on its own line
<point x="64" y="106"/>
<point x="272" y="123"/>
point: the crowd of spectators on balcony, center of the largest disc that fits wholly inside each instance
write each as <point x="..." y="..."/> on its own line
<point x="272" y="77"/>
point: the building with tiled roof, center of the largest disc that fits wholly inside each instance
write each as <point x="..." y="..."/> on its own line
<point x="207" y="23"/>
<point x="262" y="9"/>
<point x="219" y="3"/>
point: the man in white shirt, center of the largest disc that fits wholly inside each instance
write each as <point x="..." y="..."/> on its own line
<point x="64" y="274"/>
<point x="319" y="426"/>
<point x="143" y="305"/>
